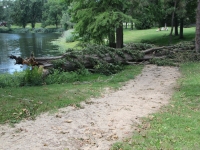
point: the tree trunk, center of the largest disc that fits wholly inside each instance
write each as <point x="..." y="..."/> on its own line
<point x="119" y="36"/>
<point x="32" y="25"/>
<point x="126" y="25"/>
<point x="89" y="61"/>
<point x="172" y="23"/>
<point x="181" y="28"/>
<point x="176" y="25"/>
<point x="131" y="25"/>
<point x="111" y="39"/>
<point x="197" y="38"/>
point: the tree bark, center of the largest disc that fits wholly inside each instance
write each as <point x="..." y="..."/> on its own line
<point x="119" y="36"/>
<point x="176" y="25"/>
<point x="126" y="25"/>
<point x="111" y="39"/>
<point x="172" y="23"/>
<point x="197" y="38"/>
<point x="181" y="29"/>
<point x="131" y="25"/>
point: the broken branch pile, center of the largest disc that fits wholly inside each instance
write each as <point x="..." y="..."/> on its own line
<point x="93" y="56"/>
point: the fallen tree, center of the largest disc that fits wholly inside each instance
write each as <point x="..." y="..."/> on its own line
<point x="96" y="56"/>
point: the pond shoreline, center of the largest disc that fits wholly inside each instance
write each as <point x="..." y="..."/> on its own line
<point x="22" y="44"/>
<point x="30" y="30"/>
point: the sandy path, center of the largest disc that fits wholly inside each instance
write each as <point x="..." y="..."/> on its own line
<point x="101" y="122"/>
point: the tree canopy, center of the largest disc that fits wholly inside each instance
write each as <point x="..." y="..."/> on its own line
<point x="99" y="19"/>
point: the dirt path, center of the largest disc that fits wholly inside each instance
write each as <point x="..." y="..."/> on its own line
<point x="101" y="122"/>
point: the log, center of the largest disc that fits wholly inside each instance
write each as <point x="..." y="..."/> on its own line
<point x="71" y="59"/>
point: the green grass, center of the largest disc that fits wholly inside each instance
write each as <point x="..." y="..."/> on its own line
<point x="28" y="102"/>
<point x="62" y="44"/>
<point x="176" y="127"/>
<point x="157" y="38"/>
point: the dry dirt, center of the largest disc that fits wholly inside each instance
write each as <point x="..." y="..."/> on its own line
<point x="101" y="122"/>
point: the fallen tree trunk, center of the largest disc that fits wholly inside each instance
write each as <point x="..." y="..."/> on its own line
<point x="72" y="61"/>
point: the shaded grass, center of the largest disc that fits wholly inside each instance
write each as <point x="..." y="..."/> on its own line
<point x="28" y="102"/>
<point x="157" y="38"/>
<point x="176" y="127"/>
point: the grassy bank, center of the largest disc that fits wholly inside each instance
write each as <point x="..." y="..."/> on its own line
<point x="176" y="127"/>
<point x="28" y="102"/>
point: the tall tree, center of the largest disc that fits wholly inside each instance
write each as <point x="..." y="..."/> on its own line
<point x="5" y="11"/>
<point x="197" y="38"/>
<point x="99" y="19"/>
<point x="35" y="11"/>
<point x="21" y="12"/>
<point x="52" y="12"/>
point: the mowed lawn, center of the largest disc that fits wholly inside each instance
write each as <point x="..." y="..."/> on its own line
<point x="157" y="38"/>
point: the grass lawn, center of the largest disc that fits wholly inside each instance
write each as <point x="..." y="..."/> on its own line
<point x="157" y="38"/>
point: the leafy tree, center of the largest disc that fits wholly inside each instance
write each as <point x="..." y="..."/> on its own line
<point x="52" y="12"/>
<point x="182" y="12"/>
<point x="5" y="11"/>
<point x="1" y="11"/>
<point x="21" y="12"/>
<point x="35" y="11"/>
<point x="144" y="13"/>
<point x="66" y="21"/>
<point x="99" y="19"/>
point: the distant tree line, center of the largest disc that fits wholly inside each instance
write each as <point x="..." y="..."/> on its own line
<point x="22" y="12"/>
<point x="97" y="20"/>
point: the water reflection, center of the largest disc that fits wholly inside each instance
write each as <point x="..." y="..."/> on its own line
<point x="22" y="45"/>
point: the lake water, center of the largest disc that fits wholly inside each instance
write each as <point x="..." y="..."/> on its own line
<point x="22" y="45"/>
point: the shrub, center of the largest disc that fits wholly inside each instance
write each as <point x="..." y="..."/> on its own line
<point x="11" y="80"/>
<point x="33" y="77"/>
<point x="162" y="62"/>
<point x="144" y="22"/>
<point x="69" y="36"/>
<point x="58" y="77"/>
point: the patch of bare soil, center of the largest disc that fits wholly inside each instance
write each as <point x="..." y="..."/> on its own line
<point x="101" y="122"/>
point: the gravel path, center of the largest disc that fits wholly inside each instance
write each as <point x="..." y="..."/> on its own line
<point x="101" y="122"/>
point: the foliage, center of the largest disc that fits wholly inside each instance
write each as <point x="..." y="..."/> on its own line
<point x="33" y="76"/>
<point x="107" y="69"/>
<point x="36" y="7"/>
<point x="24" y="11"/>
<point x="20" y="13"/>
<point x="58" y="76"/>
<point x="66" y="21"/>
<point x="52" y="13"/>
<point x="162" y="62"/>
<point x="144" y="23"/>
<point x="11" y="80"/>
<point x="70" y="36"/>
<point x="97" y="20"/>
<point x="101" y="51"/>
